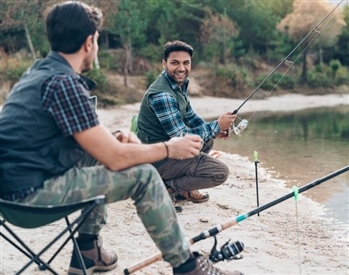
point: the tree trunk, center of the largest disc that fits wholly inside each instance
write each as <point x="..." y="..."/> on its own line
<point x="125" y="77"/>
<point x="27" y="35"/>
<point x="267" y="52"/>
<point x="96" y="61"/>
<point x="126" y="64"/>
<point x="130" y="65"/>
<point x="304" y="69"/>
<point x="106" y="40"/>
<point x="320" y="56"/>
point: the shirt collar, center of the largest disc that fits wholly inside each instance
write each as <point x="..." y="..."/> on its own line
<point x="87" y="82"/>
<point x="174" y="85"/>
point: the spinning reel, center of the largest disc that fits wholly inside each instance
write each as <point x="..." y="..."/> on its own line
<point x="228" y="251"/>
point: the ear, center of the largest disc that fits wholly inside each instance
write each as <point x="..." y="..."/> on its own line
<point x="88" y="43"/>
<point x="163" y="63"/>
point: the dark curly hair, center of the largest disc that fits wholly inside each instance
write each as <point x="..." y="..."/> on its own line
<point x="177" y="46"/>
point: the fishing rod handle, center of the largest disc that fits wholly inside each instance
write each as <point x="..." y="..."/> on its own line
<point x="148" y="261"/>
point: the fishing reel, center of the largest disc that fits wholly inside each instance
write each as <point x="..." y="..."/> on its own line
<point x="240" y="127"/>
<point x="228" y="251"/>
<point x="237" y="129"/>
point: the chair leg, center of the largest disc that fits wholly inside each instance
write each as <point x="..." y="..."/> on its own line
<point x="78" y="222"/>
<point x="27" y="252"/>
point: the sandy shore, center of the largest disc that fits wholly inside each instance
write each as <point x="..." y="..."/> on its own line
<point x="288" y="238"/>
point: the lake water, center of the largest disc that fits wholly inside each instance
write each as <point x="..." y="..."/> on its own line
<point x="301" y="147"/>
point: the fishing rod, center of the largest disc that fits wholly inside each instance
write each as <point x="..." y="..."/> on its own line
<point x="233" y="221"/>
<point x="243" y="124"/>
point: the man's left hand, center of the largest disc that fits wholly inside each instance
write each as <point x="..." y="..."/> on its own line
<point x="223" y="134"/>
<point x="129" y="137"/>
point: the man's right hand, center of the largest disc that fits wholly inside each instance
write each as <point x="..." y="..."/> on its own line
<point x="184" y="147"/>
<point x="226" y="120"/>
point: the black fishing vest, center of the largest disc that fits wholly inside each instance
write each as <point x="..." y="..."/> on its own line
<point x="32" y="148"/>
<point x="149" y="127"/>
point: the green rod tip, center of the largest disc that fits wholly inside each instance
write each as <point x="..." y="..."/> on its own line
<point x="296" y="192"/>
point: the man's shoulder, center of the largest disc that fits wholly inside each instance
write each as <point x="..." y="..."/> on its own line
<point x="57" y="80"/>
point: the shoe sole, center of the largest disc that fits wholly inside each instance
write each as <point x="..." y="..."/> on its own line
<point x="194" y="201"/>
<point x="200" y="201"/>
<point x="89" y="271"/>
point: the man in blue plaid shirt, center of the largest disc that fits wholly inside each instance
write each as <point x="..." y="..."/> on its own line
<point x="166" y="112"/>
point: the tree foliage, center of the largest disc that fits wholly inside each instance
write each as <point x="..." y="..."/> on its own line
<point x="342" y="47"/>
<point x="217" y="35"/>
<point x="221" y="31"/>
<point x="311" y="14"/>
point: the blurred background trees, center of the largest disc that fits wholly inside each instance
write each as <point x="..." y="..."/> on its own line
<point x="238" y="42"/>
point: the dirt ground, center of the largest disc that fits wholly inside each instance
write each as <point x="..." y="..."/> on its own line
<point x="291" y="237"/>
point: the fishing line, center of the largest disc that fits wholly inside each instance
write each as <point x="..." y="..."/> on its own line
<point x="294" y="61"/>
<point x="295" y="190"/>
<point x="244" y="122"/>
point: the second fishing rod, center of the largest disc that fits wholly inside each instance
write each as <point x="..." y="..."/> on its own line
<point x="235" y="220"/>
<point x="316" y="31"/>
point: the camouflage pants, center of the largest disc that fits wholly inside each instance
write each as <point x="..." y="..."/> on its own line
<point x="142" y="183"/>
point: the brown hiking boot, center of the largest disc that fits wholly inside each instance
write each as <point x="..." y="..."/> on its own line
<point x="94" y="256"/>
<point x="203" y="266"/>
<point x="193" y="196"/>
<point x="173" y="199"/>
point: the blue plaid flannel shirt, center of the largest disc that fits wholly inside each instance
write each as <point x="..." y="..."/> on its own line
<point x="165" y="108"/>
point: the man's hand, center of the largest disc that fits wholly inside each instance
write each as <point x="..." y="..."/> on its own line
<point x="224" y="134"/>
<point x="184" y="147"/>
<point x="127" y="137"/>
<point x="226" y="120"/>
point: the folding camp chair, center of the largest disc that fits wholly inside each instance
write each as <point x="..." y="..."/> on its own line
<point x="33" y="216"/>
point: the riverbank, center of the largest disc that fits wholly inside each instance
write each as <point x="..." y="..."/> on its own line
<point x="209" y="107"/>
<point x="287" y="238"/>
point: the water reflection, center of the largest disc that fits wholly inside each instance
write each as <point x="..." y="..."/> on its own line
<point x="301" y="147"/>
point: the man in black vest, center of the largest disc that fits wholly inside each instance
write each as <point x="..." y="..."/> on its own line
<point x="166" y="112"/>
<point x="53" y="150"/>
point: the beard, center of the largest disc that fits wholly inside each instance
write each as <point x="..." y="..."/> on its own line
<point x="179" y="79"/>
<point x="87" y="64"/>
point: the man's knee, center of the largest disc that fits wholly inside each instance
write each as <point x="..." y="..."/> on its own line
<point x="147" y="176"/>
<point x="147" y="173"/>
<point x="222" y="175"/>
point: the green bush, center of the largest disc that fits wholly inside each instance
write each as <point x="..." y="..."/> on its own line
<point x="339" y="73"/>
<point x="107" y="61"/>
<point x="286" y="82"/>
<point x="100" y="78"/>
<point x="14" y="70"/>
<point x="151" y="75"/>
<point x="342" y="76"/>
<point x="152" y="52"/>
<point x="335" y="65"/>
<point x="238" y="77"/>
<point x="317" y="79"/>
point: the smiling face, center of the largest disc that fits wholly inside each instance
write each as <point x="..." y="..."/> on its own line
<point x="178" y="66"/>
